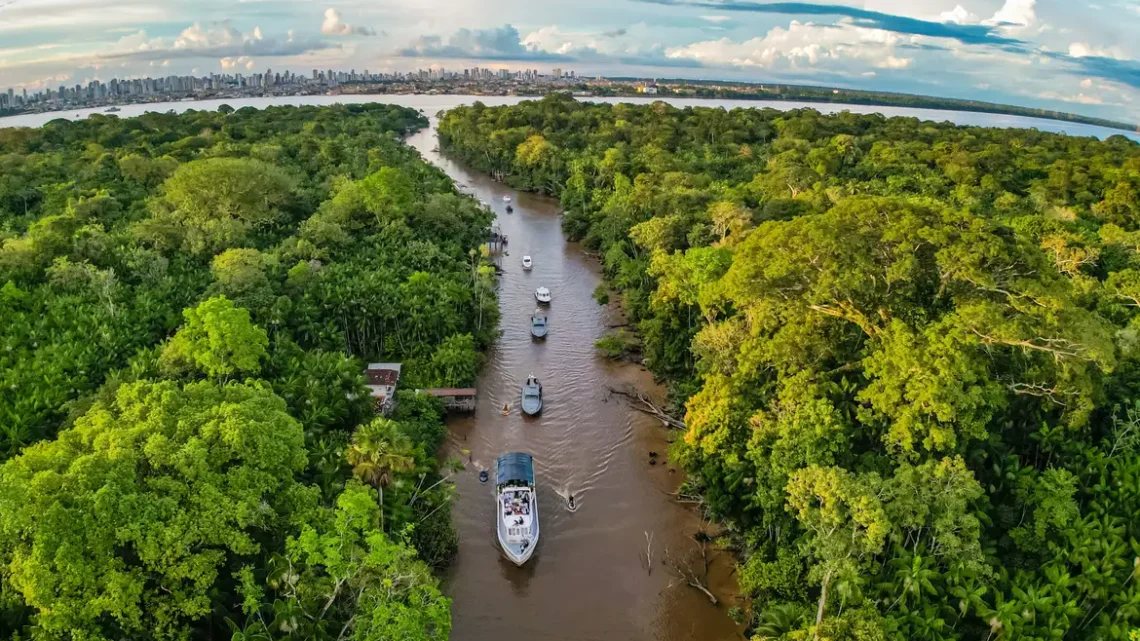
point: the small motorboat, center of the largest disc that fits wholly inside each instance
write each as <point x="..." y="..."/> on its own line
<point x="516" y="505"/>
<point x="507" y="199"/>
<point x="510" y="209"/>
<point x="483" y="476"/>
<point x="527" y="263"/>
<point x="542" y="295"/>
<point x="532" y="396"/>
<point x="538" y="324"/>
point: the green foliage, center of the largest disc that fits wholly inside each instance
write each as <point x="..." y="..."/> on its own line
<point x="217" y="340"/>
<point x="151" y="496"/>
<point x="617" y="344"/>
<point x="146" y="266"/>
<point x="455" y="362"/>
<point x="907" y="350"/>
<point x="215" y="203"/>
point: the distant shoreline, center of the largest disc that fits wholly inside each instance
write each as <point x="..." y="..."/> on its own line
<point x="762" y="92"/>
<point x="628" y="87"/>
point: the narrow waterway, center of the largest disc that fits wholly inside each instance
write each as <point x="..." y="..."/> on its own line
<point x="588" y="579"/>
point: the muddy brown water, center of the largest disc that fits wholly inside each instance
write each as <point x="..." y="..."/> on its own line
<point x="588" y="579"/>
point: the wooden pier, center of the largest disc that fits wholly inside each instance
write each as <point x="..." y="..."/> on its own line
<point x="454" y="399"/>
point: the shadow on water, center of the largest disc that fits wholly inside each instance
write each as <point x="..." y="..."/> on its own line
<point x="589" y="578"/>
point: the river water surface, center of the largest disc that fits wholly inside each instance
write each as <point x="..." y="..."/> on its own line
<point x="588" y="579"/>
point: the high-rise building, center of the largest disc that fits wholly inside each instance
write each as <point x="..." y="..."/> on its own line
<point x="557" y="73"/>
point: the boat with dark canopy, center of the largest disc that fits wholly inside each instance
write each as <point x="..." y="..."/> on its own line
<point x="532" y="396"/>
<point x="516" y="506"/>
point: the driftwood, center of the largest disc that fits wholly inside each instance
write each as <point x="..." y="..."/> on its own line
<point x="649" y="552"/>
<point x="643" y="403"/>
<point x="684" y="571"/>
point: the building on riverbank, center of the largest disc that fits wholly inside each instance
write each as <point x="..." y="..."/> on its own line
<point x="382" y="379"/>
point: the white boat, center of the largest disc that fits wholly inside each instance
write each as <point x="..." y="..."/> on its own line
<point x="516" y="506"/>
<point x="527" y="263"/>
<point x="538" y="324"/>
<point x="507" y="199"/>
<point x="542" y="295"/>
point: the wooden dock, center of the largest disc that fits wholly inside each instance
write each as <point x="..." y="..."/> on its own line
<point x="462" y="399"/>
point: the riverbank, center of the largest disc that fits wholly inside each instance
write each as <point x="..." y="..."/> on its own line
<point x="625" y="88"/>
<point x="431" y="104"/>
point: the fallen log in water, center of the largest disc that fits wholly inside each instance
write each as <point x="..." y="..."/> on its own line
<point x="643" y="403"/>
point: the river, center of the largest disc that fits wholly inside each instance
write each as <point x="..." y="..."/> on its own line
<point x="588" y="579"/>
<point x="431" y="104"/>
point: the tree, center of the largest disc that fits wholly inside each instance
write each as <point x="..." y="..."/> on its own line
<point x="153" y="495"/>
<point x="845" y="519"/>
<point x="729" y="219"/>
<point x="378" y="452"/>
<point x="217" y="340"/>
<point x="343" y="576"/>
<point x="388" y="194"/>
<point x="241" y="271"/>
<point x="455" y="362"/>
<point x="217" y="201"/>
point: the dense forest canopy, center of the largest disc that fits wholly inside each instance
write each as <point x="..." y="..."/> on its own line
<point x="907" y="351"/>
<point x="187" y="303"/>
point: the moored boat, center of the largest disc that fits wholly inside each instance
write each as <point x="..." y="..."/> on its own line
<point x="527" y="263"/>
<point x="542" y="295"/>
<point x="532" y="396"/>
<point x="516" y="506"/>
<point x="538" y="324"/>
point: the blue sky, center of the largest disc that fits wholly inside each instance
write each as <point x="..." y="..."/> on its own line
<point x="1071" y="56"/>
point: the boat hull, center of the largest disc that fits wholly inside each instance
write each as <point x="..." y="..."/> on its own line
<point x="514" y="474"/>
<point x="532" y="408"/>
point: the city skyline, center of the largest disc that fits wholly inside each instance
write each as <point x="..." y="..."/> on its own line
<point x="1081" y="59"/>
<point x="96" y="92"/>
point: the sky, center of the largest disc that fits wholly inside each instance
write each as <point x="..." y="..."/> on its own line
<point x="1082" y="57"/>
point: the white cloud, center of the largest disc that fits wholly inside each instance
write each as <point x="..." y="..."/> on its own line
<point x="716" y="19"/>
<point x="240" y="62"/>
<point x="79" y="14"/>
<point x="335" y="26"/>
<point x="1080" y="98"/>
<point x="1016" y="12"/>
<point x="958" y="15"/>
<point x="802" y="46"/>
<point x="219" y="39"/>
<point x="1085" y="50"/>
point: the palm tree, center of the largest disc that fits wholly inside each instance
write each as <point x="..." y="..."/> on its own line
<point x="379" y="450"/>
